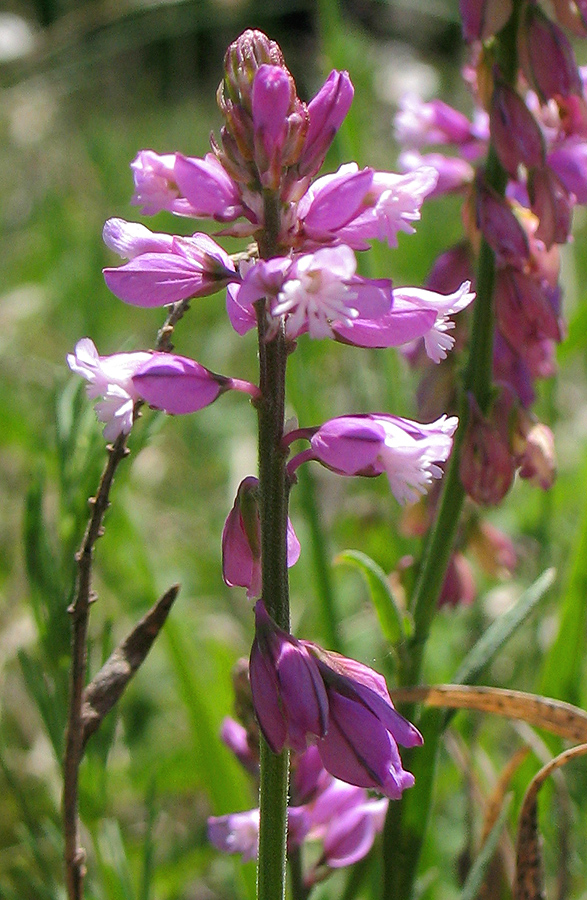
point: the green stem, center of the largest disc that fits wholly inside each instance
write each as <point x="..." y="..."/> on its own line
<point x="273" y="499"/>
<point x="406" y="821"/>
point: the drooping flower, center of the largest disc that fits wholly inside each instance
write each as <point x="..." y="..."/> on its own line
<point x="347" y="820"/>
<point x="409" y="453"/>
<point x="486" y="465"/>
<point x="109" y="377"/>
<point x="303" y="693"/>
<point x="241" y="540"/>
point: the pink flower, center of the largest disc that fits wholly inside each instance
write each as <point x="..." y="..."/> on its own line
<point x="353" y="206"/>
<point x="236" y="833"/>
<point x="179" y="385"/>
<point x="418" y="123"/>
<point x="327" y="111"/>
<point x="155" y="185"/>
<point x="208" y="188"/>
<point x="437" y="340"/>
<point x="316" y="293"/>
<point x="347" y="820"/>
<point x="408" y="453"/>
<point x="241" y="541"/>
<point x="302" y="693"/>
<point x="110" y="377"/>
<point x="164" y="269"/>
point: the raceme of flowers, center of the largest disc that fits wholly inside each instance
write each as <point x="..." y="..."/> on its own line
<point x="273" y="145"/>
<point x="537" y="128"/>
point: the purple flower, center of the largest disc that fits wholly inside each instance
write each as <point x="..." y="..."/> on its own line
<point x="302" y="693"/>
<point x="500" y="227"/>
<point x="514" y="131"/>
<point x="370" y="444"/>
<point x="347" y="821"/>
<point x="241" y="541"/>
<point x="569" y="161"/>
<point x="316" y="293"/>
<point x="552" y="205"/>
<point x="483" y="18"/>
<point x="155" y="185"/>
<point x="235" y="736"/>
<point x="208" y="187"/>
<point x="353" y="206"/>
<point x="326" y="112"/>
<point x="288" y="693"/>
<point x="179" y="385"/>
<point x="546" y="56"/>
<point x="164" y="269"/>
<point x="110" y="377"/>
<point x="486" y="466"/>
<point x="236" y="833"/>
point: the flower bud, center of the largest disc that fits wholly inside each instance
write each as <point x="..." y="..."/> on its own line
<point x="483" y="18"/>
<point x="551" y="203"/>
<point x="241" y="541"/>
<point x="499" y="226"/>
<point x="242" y="60"/>
<point x="546" y="56"/>
<point x="486" y="465"/>
<point x="514" y="131"/>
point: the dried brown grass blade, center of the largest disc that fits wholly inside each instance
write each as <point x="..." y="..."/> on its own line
<point x="529" y="881"/>
<point x="559" y="718"/>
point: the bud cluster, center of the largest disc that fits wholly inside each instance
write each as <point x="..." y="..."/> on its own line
<point x="536" y="126"/>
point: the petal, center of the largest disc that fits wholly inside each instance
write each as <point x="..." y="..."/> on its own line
<point x="337" y="202"/>
<point x="348" y="444"/>
<point x="176" y="384"/>
<point x="265" y="691"/>
<point x="207" y="186"/>
<point x="158" y="279"/>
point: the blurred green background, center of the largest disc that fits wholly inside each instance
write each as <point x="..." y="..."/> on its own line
<point x="83" y="87"/>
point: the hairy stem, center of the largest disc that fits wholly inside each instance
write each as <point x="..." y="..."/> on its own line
<point x="274" y="495"/>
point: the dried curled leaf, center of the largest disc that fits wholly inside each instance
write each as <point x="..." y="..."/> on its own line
<point x="529" y="882"/>
<point x="560" y="718"/>
<point x="109" y="683"/>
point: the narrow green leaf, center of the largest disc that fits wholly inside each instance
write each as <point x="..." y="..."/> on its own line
<point x="502" y="629"/>
<point x="391" y="618"/>
<point x="561" y="674"/>
<point x="41" y="690"/>
<point x="477" y="872"/>
<point x="114" y="865"/>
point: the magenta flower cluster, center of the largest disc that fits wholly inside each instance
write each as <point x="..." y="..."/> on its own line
<point x="341" y="819"/>
<point x="536" y="126"/>
<point x="272" y="145"/>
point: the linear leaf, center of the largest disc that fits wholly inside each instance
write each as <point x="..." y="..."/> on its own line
<point x="391" y="618"/>
<point x="502" y="629"/>
<point x="477" y="872"/>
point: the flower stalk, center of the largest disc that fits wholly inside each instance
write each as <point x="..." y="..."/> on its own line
<point x="273" y="500"/>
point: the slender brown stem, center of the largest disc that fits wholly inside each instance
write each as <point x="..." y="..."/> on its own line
<point x="79" y="611"/>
